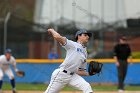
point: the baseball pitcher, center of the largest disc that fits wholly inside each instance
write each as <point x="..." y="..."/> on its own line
<point x="74" y="65"/>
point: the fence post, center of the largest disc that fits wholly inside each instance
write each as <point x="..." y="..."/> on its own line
<point x="5" y="30"/>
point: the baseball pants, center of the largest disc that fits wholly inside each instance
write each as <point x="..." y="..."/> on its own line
<point x="8" y="72"/>
<point x="122" y="71"/>
<point x="60" y="79"/>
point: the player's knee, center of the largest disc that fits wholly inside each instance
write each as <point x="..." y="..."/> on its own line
<point x="88" y="89"/>
<point x="11" y="78"/>
<point x="1" y="77"/>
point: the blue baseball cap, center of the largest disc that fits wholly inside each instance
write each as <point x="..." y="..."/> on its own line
<point x="8" y="51"/>
<point x="83" y="31"/>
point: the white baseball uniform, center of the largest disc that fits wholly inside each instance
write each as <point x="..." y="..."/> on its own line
<point x="5" y="66"/>
<point x="76" y="56"/>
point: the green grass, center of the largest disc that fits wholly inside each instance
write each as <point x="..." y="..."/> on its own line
<point x="135" y="54"/>
<point x="42" y="87"/>
<point x="24" y="86"/>
<point x="133" y="88"/>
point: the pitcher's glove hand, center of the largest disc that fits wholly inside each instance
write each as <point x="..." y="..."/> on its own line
<point x="20" y="73"/>
<point x="94" y="68"/>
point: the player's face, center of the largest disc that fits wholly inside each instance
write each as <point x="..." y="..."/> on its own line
<point x="8" y="55"/>
<point x="84" y="38"/>
<point x="122" y="41"/>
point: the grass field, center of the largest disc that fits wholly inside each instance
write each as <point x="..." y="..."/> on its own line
<point x="42" y="87"/>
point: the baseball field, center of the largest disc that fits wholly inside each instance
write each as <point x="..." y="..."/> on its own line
<point x="73" y="92"/>
<point x="39" y="88"/>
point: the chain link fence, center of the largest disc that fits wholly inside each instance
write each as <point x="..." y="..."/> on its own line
<point x="29" y="40"/>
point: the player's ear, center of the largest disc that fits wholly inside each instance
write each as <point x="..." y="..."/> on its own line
<point x="76" y="38"/>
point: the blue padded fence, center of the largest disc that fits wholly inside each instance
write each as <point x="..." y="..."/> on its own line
<point x="41" y="73"/>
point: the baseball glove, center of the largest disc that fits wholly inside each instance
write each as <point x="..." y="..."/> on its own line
<point x="94" y="67"/>
<point x="20" y="73"/>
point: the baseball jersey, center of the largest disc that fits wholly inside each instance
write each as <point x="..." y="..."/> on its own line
<point x="76" y="56"/>
<point x="4" y="63"/>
